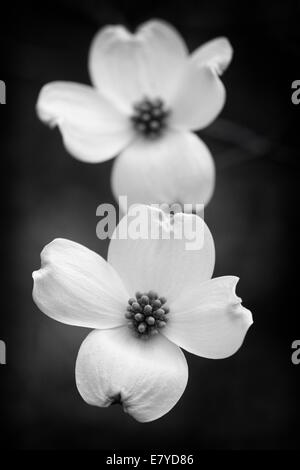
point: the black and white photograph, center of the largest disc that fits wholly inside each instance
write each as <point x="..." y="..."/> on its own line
<point x="150" y="162"/>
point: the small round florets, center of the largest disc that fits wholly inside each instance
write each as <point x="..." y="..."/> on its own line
<point x="150" y="117"/>
<point x="147" y="313"/>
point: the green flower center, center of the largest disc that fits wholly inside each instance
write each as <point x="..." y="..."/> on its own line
<point x="147" y="313"/>
<point x="150" y="117"/>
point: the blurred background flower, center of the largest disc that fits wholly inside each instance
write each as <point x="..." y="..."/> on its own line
<point x="148" y="95"/>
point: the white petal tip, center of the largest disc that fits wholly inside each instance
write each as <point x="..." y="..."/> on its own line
<point x="217" y="54"/>
<point x="227" y="54"/>
<point x="35" y="274"/>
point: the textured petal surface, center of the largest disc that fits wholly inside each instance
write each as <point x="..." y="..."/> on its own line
<point x="93" y="129"/>
<point x="208" y="319"/>
<point x="126" y="67"/>
<point x="78" y="287"/>
<point x="198" y="100"/>
<point x="147" y="377"/>
<point x="216" y="53"/>
<point x="176" y="168"/>
<point x="167" y="255"/>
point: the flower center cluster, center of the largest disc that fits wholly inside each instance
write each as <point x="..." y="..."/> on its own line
<point x="147" y="313"/>
<point x="150" y="117"/>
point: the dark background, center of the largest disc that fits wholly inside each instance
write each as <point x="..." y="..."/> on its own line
<point x="246" y="401"/>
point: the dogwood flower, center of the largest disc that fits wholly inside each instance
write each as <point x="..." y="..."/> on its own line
<point x="150" y="299"/>
<point x="148" y="96"/>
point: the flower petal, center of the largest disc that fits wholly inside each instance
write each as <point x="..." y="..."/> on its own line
<point x="208" y="319"/>
<point x="177" y="167"/>
<point x="166" y="256"/>
<point x="147" y="377"/>
<point x="216" y="53"/>
<point x="199" y="99"/>
<point x="93" y="129"/>
<point x="78" y="287"/>
<point x="126" y="67"/>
